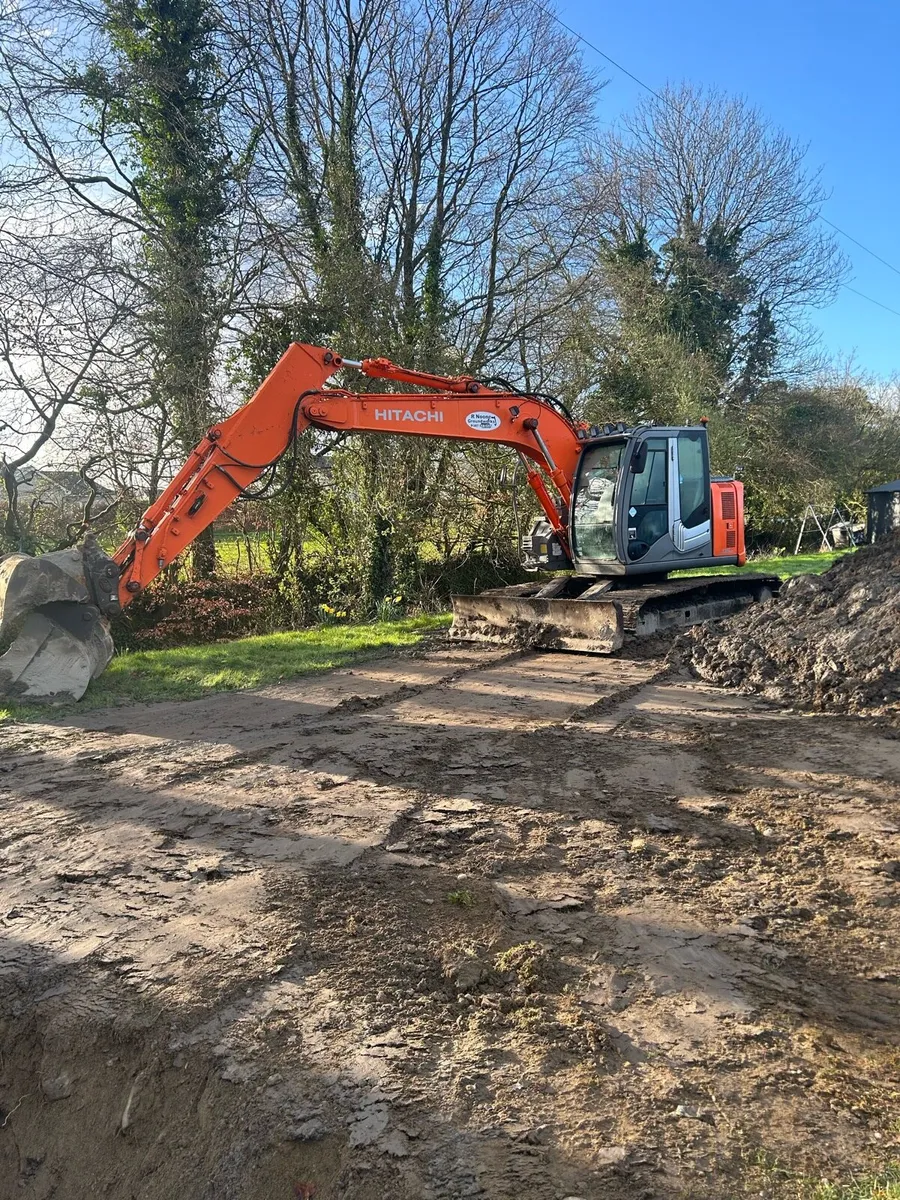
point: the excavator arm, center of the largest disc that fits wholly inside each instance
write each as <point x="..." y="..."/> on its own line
<point x="59" y="603"/>
<point x="235" y="453"/>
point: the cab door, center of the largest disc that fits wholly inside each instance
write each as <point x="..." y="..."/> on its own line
<point x="666" y="511"/>
<point x="648" y="519"/>
<point x="690" y="524"/>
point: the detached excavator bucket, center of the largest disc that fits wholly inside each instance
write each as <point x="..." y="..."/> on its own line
<point x="589" y="626"/>
<point x="57" y="638"/>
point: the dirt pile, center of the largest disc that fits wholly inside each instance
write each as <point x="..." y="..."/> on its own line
<point x="829" y="641"/>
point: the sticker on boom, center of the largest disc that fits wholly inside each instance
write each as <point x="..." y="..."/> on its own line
<point x="484" y="421"/>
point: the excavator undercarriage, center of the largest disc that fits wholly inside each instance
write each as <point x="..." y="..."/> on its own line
<point x="594" y="616"/>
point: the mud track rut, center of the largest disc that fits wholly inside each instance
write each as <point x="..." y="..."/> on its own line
<point x="462" y="923"/>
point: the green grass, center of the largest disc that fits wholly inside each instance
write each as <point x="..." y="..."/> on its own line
<point x="233" y="558"/>
<point x="869" y="1187"/>
<point x="784" y="565"/>
<point x="232" y="551"/>
<point x="191" y="672"/>
<point x="885" y="1187"/>
<point x="785" y="1184"/>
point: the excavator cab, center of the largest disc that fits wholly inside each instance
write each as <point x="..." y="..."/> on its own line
<point x="644" y="504"/>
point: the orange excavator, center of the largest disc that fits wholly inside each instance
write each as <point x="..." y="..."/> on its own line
<point x="622" y="509"/>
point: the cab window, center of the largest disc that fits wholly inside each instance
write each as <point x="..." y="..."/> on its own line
<point x="650" y="486"/>
<point x="693" y="478"/>
<point x="593" y="506"/>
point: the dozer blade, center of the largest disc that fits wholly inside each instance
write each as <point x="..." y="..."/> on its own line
<point x="59" y="639"/>
<point x="590" y="627"/>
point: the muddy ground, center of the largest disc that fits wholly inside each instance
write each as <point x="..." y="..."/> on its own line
<point x="458" y="923"/>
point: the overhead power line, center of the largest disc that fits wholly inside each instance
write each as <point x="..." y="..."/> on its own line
<point x="659" y="96"/>
<point x="886" y="307"/>
<point x="850" y="238"/>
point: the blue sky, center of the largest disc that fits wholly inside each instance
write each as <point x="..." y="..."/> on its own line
<point x="829" y="74"/>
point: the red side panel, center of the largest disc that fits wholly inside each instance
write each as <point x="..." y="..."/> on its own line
<point x="728" y="520"/>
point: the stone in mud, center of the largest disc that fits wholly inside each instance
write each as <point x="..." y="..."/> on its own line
<point x="57" y="1088"/>
<point x="309" y="1131"/>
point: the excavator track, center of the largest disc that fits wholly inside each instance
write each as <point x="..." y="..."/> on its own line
<point x="677" y="603"/>
<point x="597" y="616"/>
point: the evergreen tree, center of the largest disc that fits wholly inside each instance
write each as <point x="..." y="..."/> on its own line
<point x="706" y="291"/>
<point x="758" y="353"/>
<point x="163" y="95"/>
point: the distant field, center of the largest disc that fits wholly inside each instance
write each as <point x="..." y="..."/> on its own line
<point x="784" y="565"/>
<point x="242" y="555"/>
<point x="233" y="550"/>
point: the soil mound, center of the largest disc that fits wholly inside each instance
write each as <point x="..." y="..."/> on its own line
<point x="829" y="642"/>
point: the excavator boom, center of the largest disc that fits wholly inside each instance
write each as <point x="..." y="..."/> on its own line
<point x="235" y="453"/>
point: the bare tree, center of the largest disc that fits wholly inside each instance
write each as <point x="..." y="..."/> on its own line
<point x="698" y="166"/>
<point x="64" y="340"/>
<point x="108" y="122"/>
<point x="415" y="163"/>
<point x="413" y="176"/>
